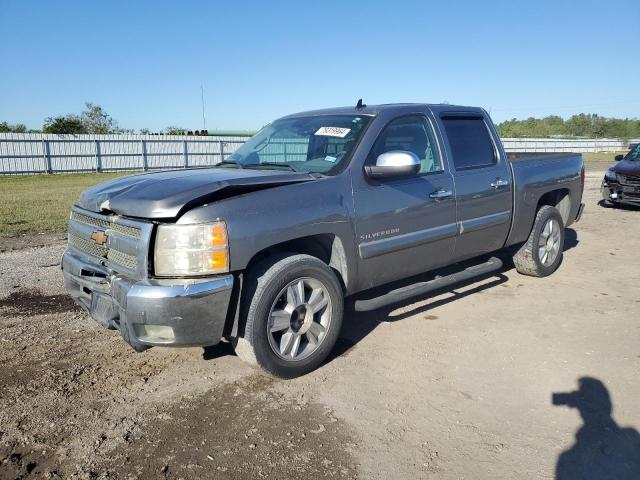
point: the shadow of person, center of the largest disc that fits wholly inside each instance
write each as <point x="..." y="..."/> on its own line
<point x="602" y="450"/>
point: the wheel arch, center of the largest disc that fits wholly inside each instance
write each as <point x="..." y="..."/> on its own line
<point x="528" y="203"/>
<point x="327" y="247"/>
<point x="559" y="198"/>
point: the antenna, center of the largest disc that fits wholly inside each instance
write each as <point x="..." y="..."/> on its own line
<point x="204" y="120"/>
<point x="360" y="105"/>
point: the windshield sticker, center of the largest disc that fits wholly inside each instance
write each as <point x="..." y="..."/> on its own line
<point x="333" y="132"/>
<point x="329" y="158"/>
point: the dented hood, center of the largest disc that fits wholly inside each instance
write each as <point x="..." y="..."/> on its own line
<point x="627" y="167"/>
<point x="167" y="194"/>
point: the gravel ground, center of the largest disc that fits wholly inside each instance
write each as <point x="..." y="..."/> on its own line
<point x="453" y="386"/>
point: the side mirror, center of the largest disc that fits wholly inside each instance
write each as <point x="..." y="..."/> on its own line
<point x="397" y="163"/>
<point x="617" y="158"/>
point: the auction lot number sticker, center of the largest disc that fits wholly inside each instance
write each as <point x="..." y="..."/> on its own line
<point x="333" y="132"/>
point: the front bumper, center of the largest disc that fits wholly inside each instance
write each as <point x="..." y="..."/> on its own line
<point x="618" y="193"/>
<point x="151" y="312"/>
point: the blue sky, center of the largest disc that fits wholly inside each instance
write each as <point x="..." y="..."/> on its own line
<point x="144" y="61"/>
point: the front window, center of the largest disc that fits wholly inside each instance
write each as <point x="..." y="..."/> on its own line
<point x="317" y="144"/>
<point x="411" y="134"/>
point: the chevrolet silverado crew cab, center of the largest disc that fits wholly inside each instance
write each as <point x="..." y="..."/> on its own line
<point x="262" y="249"/>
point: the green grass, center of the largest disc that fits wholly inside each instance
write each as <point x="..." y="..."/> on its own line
<point x="600" y="156"/>
<point x="41" y="203"/>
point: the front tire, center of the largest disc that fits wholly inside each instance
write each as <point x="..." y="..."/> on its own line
<point x="293" y="309"/>
<point x="541" y="254"/>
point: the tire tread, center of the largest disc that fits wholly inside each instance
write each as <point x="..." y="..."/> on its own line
<point x="257" y="280"/>
<point x="525" y="258"/>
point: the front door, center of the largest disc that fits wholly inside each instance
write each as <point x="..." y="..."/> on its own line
<point x="405" y="226"/>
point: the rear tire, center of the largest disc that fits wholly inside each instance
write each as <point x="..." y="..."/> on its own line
<point x="541" y="254"/>
<point x="292" y="306"/>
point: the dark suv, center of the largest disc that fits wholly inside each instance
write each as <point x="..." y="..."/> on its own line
<point x="621" y="183"/>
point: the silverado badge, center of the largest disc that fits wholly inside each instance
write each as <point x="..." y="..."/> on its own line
<point x="99" y="237"/>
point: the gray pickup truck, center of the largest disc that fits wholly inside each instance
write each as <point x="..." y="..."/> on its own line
<point x="262" y="249"/>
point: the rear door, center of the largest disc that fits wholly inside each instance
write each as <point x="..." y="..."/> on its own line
<point x="483" y="183"/>
<point x="405" y="225"/>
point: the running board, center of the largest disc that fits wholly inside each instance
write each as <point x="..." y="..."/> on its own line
<point x="420" y="288"/>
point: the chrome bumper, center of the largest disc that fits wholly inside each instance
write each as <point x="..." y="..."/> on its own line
<point x="151" y="312"/>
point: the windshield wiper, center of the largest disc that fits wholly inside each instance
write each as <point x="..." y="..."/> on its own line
<point x="270" y="164"/>
<point x="230" y="162"/>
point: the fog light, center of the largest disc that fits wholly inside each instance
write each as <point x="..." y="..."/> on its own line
<point x="155" y="333"/>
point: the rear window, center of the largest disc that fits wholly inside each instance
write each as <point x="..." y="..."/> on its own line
<point x="470" y="142"/>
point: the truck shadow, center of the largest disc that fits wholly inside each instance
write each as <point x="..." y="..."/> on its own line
<point x="602" y="450"/>
<point x="570" y="239"/>
<point x="357" y="325"/>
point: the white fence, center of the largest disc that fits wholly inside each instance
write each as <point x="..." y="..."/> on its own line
<point x="578" y="145"/>
<point x="49" y="153"/>
<point x="23" y="153"/>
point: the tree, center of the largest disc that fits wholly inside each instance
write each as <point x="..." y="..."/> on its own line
<point x="64" y="124"/>
<point x="8" y="128"/>
<point x="174" y="131"/>
<point x="588" y="125"/>
<point x="96" y="120"/>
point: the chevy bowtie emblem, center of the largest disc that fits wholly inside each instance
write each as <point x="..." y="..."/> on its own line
<point x="99" y="237"/>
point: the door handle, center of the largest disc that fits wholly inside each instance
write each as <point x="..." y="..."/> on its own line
<point x="499" y="183"/>
<point x="440" y="194"/>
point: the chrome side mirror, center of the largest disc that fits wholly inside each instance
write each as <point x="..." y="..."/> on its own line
<point x="396" y="163"/>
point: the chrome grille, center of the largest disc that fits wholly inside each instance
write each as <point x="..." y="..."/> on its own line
<point x="118" y="243"/>
<point x="126" y="230"/>
<point x="123" y="259"/>
<point x="106" y="223"/>
<point x="87" y="220"/>
<point x="87" y="246"/>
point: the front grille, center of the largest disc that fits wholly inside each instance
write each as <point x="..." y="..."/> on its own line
<point x="628" y="179"/>
<point x="123" y="259"/>
<point x="124" y="241"/>
<point x="106" y="223"/>
<point x="87" y="246"/>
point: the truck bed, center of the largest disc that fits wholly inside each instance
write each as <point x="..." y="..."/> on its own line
<point x="536" y="174"/>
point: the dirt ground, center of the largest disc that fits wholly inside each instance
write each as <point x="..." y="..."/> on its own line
<point x="454" y="386"/>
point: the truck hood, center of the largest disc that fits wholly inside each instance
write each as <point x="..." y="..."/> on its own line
<point x="627" y="167"/>
<point x="167" y="194"/>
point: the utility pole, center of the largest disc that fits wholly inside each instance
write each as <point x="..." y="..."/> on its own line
<point x="204" y="120"/>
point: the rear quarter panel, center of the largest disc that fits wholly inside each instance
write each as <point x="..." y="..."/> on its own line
<point x="532" y="178"/>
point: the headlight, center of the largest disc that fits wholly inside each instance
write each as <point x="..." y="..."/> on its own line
<point x="610" y="176"/>
<point x="184" y="250"/>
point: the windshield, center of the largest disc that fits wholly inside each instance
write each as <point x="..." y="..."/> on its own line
<point x="317" y="144"/>
<point x="634" y="154"/>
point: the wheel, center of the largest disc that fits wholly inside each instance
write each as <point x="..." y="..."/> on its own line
<point x="292" y="308"/>
<point x="541" y="254"/>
